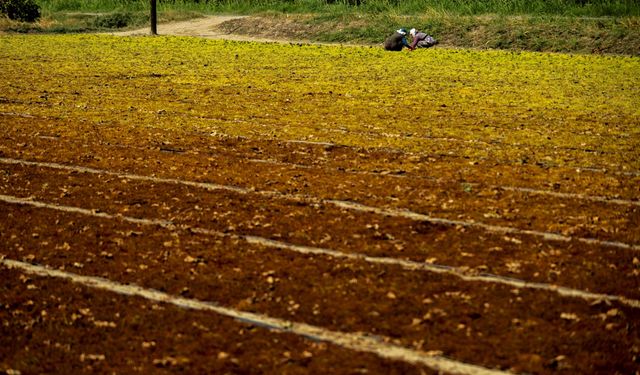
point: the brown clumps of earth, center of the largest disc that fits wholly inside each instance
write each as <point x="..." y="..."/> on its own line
<point x="232" y="221"/>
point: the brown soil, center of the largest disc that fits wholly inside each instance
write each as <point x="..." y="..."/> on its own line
<point x="203" y="246"/>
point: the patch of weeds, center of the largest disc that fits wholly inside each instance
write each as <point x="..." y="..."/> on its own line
<point x="113" y="20"/>
<point x="539" y="44"/>
<point x="12" y="26"/>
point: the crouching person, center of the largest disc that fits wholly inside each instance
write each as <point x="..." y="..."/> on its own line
<point x="421" y="40"/>
<point x="397" y="41"/>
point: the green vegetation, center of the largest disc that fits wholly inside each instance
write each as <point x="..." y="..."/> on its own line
<point x="580" y="8"/>
<point x="21" y="10"/>
<point x="530" y="33"/>
<point x="583" y="26"/>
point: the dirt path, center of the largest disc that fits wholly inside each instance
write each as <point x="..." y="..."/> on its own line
<point x="255" y="29"/>
<point x="206" y="27"/>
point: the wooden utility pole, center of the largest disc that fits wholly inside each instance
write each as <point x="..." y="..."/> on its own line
<point x="154" y="18"/>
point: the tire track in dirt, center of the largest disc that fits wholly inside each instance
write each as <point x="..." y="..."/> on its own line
<point x="527" y="190"/>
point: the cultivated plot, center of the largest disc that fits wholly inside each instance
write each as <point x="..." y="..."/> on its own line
<point x="179" y="204"/>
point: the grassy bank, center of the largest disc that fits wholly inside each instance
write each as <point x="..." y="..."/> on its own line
<point x="582" y="26"/>
<point x="531" y="33"/>
<point x="579" y="8"/>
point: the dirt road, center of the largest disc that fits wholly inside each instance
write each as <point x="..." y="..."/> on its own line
<point x="206" y="27"/>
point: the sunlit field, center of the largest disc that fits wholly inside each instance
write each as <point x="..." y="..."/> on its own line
<point x="199" y="206"/>
<point x="584" y="109"/>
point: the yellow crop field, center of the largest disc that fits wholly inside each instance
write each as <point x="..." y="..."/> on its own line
<point x="584" y="109"/>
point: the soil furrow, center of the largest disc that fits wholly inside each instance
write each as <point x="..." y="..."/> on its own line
<point x="57" y="326"/>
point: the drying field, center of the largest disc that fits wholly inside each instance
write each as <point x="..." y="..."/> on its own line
<point x="197" y="206"/>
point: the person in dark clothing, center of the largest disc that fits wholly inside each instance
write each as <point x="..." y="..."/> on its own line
<point x="397" y="41"/>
